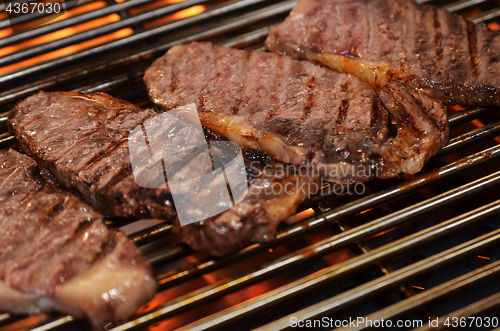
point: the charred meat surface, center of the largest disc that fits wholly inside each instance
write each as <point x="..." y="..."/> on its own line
<point x="274" y="193"/>
<point x="270" y="200"/>
<point x="83" y="141"/>
<point x="301" y="113"/>
<point x="57" y="254"/>
<point x="422" y="46"/>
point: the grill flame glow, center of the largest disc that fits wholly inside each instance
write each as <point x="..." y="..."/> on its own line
<point x="182" y="14"/>
<point x="87" y="26"/>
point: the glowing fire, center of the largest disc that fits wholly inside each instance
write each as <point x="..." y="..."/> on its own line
<point x="152" y="5"/>
<point x="195" y="10"/>
<point x="73" y="12"/>
<point x="494" y="26"/>
<point x="61" y="34"/>
<point x="67" y="50"/>
<point x="188" y="12"/>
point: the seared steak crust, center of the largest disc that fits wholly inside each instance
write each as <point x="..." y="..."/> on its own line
<point x="274" y="193"/>
<point x="423" y="46"/>
<point x="254" y="220"/>
<point x="301" y="113"/>
<point x="56" y="253"/>
<point x="83" y="140"/>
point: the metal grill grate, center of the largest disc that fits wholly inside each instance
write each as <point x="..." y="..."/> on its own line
<point x="408" y="249"/>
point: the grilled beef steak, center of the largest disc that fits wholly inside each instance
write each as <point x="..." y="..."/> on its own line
<point x="423" y="46"/>
<point x="274" y="193"/>
<point x="56" y="253"/>
<point x="301" y="113"/>
<point x="83" y="140"/>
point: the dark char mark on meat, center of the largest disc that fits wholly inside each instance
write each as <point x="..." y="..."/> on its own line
<point x="472" y="40"/>
<point x="106" y="178"/>
<point x="303" y="113"/>
<point x="83" y="140"/>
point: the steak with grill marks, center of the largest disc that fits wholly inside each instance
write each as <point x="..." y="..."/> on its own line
<point x="273" y="196"/>
<point x="274" y="193"/>
<point x="301" y="113"/>
<point x="422" y="46"/>
<point x="83" y="141"/>
<point x="57" y="254"/>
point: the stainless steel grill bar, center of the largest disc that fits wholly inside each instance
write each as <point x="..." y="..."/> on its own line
<point x="470" y="138"/>
<point x="4" y="24"/>
<point x="471" y="310"/>
<point x="342" y="269"/>
<point x="56" y="324"/>
<point x="43" y="30"/>
<point x="113" y="83"/>
<point x="167" y="255"/>
<point x="259" y="34"/>
<point x="321" y="248"/>
<point x="252" y="36"/>
<point x="430" y="295"/>
<point x="466" y="115"/>
<point x="464" y="4"/>
<point x="150" y="234"/>
<point x="400" y="276"/>
<point x="178" y="276"/>
<point x="7" y="142"/>
<point x="97" y="32"/>
<point x="236" y="22"/>
<point x="486" y="17"/>
<point x="8" y="318"/>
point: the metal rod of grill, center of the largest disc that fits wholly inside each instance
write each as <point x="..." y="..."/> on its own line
<point x="233" y="23"/>
<point x="314" y="280"/>
<point x="470" y="311"/>
<point x="435" y="293"/>
<point x="400" y="276"/>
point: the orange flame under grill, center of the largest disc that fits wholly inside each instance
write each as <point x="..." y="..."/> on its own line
<point x="87" y="26"/>
<point x="188" y="12"/>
